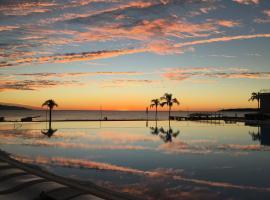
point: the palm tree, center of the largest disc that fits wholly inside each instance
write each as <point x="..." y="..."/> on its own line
<point x="169" y="101"/>
<point x="50" y="104"/>
<point x="155" y="103"/>
<point x="255" y="96"/>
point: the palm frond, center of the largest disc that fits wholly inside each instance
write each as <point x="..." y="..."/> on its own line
<point x="254" y="96"/>
<point x="163" y="103"/>
<point x="50" y="103"/>
<point x="175" y="101"/>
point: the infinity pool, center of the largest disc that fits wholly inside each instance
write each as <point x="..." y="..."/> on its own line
<point x="188" y="160"/>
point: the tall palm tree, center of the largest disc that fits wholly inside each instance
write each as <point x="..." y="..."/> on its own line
<point x="50" y="104"/>
<point x="255" y="96"/>
<point x="155" y="103"/>
<point x="168" y="100"/>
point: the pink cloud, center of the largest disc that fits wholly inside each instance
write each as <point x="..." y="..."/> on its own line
<point x="124" y="137"/>
<point x="33" y="84"/>
<point x="147" y="30"/>
<point x="175" y="174"/>
<point x="267" y="12"/>
<point x="78" y="74"/>
<point x="228" y="23"/>
<point x="247" y="2"/>
<point x="67" y="145"/>
<point x="182" y="147"/>
<point x="128" y="82"/>
<point x="249" y="147"/>
<point x="211" y="72"/>
<point x="80" y="163"/>
<point x="72" y="57"/>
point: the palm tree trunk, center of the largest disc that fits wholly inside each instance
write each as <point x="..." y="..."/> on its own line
<point x="258" y="105"/>
<point x="156" y="113"/>
<point x="169" y="116"/>
<point x="50" y="119"/>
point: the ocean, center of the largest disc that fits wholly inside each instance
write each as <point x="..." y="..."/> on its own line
<point x="16" y="115"/>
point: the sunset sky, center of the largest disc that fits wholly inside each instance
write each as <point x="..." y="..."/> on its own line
<point x="210" y="54"/>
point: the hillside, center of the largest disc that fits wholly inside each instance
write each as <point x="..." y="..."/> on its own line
<point x="239" y="110"/>
<point x="6" y="107"/>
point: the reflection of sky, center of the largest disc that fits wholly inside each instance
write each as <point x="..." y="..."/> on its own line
<point x="217" y="159"/>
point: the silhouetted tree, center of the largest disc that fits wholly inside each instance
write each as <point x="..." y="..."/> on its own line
<point x="255" y="96"/>
<point x="50" y="104"/>
<point x="155" y="103"/>
<point x="168" y="100"/>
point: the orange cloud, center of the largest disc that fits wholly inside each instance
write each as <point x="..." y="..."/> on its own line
<point x="114" y="8"/>
<point x="147" y="29"/>
<point x="71" y="57"/>
<point x="25" y="8"/>
<point x="8" y="28"/>
<point x="228" y="23"/>
<point x="222" y="39"/>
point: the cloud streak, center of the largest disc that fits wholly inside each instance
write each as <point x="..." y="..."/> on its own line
<point x="174" y="174"/>
<point x="212" y="72"/>
<point x="79" y="74"/>
<point x="33" y="84"/>
<point x="247" y="2"/>
<point x="152" y="47"/>
<point x="223" y="39"/>
<point x="71" y="57"/>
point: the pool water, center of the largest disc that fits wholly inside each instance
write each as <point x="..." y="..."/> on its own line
<point x="186" y="160"/>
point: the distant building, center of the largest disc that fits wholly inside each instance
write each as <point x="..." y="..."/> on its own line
<point x="265" y="101"/>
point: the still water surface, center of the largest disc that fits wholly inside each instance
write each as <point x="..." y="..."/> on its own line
<point x="188" y="160"/>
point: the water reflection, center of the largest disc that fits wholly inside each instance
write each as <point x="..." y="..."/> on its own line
<point x="49" y="132"/>
<point x="165" y="134"/>
<point x="200" y="162"/>
<point x="262" y="134"/>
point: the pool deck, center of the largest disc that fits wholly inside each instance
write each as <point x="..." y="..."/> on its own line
<point x="19" y="181"/>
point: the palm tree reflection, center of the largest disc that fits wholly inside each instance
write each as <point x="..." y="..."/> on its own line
<point x="262" y="134"/>
<point x="49" y="132"/>
<point x="166" y="135"/>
